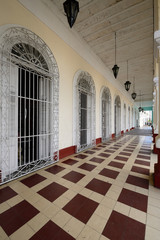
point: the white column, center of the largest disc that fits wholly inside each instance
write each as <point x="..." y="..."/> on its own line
<point x="156" y="105"/>
<point x="157" y="56"/>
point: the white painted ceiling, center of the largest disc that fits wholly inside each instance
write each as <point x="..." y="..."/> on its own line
<point x="132" y="20"/>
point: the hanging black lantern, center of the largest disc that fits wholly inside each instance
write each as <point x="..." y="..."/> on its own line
<point x="71" y="8"/>
<point x="134" y="95"/>
<point x="115" y="69"/>
<point x="140" y="109"/>
<point x="127" y="85"/>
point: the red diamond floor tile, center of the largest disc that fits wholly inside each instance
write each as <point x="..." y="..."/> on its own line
<point x="97" y="160"/>
<point x="133" y="199"/>
<point x="81" y="208"/>
<point x="140" y="170"/>
<point x="33" y="180"/>
<point x="146" y="148"/>
<point x="70" y="161"/>
<point x="98" y="186"/>
<point x="87" y="166"/>
<point x="109" y="151"/>
<point x="109" y="173"/>
<point x="144" y="157"/>
<point x="6" y="193"/>
<point x="130" y="147"/>
<point x="117" y="145"/>
<point x="137" y="181"/>
<point x="128" y="150"/>
<point x="51" y="231"/>
<point x="73" y="176"/>
<point x="116" y="164"/>
<point x="102" y="146"/>
<point x="52" y="191"/>
<point x="121" y="227"/>
<point x="81" y="156"/>
<point x="55" y="169"/>
<point x="121" y="158"/>
<point x="105" y="155"/>
<point x="89" y="152"/>
<point x="115" y="148"/>
<point x="96" y="149"/>
<point x="124" y="153"/>
<point x="145" y="152"/>
<point x="17" y="216"/>
<point x="141" y="162"/>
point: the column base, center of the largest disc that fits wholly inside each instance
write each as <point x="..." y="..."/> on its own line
<point x="155" y="150"/>
<point x="157" y="175"/>
<point x="154" y="137"/>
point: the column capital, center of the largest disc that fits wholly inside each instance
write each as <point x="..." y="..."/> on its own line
<point x="157" y="37"/>
<point x="156" y="80"/>
<point x="157" y="45"/>
<point x="154" y="94"/>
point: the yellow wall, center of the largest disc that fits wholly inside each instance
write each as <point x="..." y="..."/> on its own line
<point x="69" y="62"/>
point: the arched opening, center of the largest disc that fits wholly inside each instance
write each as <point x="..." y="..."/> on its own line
<point x="106" y="114"/>
<point x="129" y="116"/>
<point x="117" y="114"/>
<point x="132" y="119"/>
<point x="30" y="101"/>
<point x="85" y="112"/>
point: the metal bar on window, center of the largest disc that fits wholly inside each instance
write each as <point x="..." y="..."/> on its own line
<point x="24" y="116"/>
<point x="29" y="117"/>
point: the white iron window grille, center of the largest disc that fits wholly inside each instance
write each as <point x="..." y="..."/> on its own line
<point x="85" y="112"/>
<point x="28" y="104"/>
<point x="106" y="114"/>
<point x="117" y="114"/>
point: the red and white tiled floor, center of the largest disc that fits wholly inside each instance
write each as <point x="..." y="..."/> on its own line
<point x="103" y="193"/>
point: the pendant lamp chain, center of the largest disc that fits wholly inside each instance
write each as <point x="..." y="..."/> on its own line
<point x="127" y="70"/>
<point x="115" y="48"/>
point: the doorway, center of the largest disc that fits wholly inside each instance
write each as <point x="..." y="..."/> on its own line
<point x="106" y="114"/>
<point x="117" y="116"/>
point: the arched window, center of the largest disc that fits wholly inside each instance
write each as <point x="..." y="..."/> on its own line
<point x="106" y="114"/>
<point x="117" y="115"/>
<point x="29" y="103"/>
<point x="85" y="112"/>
